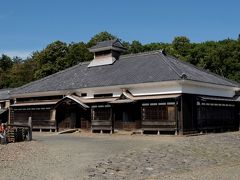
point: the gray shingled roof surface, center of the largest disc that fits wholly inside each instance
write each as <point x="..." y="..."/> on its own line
<point x="4" y="94"/>
<point x="129" y="69"/>
<point x="108" y="43"/>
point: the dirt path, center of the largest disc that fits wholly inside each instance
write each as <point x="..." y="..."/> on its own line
<point x="87" y="156"/>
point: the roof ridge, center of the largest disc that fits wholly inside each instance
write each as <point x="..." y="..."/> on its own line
<point x="47" y="77"/>
<point x="204" y="70"/>
<point x="5" y="89"/>
<point x="112" y="40"/>
<point x="166" y="61"/>
<point x="140" y="54"/>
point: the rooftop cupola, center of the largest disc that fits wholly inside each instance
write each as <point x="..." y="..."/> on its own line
<point x="106" y="52"/>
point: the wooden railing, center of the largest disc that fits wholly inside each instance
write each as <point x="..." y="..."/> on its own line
<point x="159" y="125"/>
<point x="101" y="125"/>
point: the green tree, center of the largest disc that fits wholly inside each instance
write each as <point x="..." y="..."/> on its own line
<point x="5" y="62"/>
<point x="136" y="47"/>
<point x="182" y="46"/>
<point x="22" y="73"/>
<point x="77" y="52"/>
<point x="51" y="59"/>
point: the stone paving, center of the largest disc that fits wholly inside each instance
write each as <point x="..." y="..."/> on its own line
<point x="95" y="156"/>
<point x="166" y="161"/>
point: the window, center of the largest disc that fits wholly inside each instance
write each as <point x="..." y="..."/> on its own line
<point x="102" y="53"/>
<point x="216" y="114"/>
<point x="101" y="112"/>
<point x="158" y="112"/>
<point x="2" y="105"/>
<point x="83" y="94"/>
<point x="103" y="95"/>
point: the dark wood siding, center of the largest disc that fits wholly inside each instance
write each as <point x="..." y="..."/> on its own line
<point x="40" y="117"/>
<point x="216" y="115"/>
<point x="199" y="115"/>
<point x="189" y="113"/>
<point x="4" y="117"/>
<point x="127" y="116"/>
<point x="159" y="116"/>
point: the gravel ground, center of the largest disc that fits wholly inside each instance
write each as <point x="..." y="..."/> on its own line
<point x="93" y="156"/>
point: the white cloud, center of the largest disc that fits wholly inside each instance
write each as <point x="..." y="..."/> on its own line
<point x="20" y="53"/>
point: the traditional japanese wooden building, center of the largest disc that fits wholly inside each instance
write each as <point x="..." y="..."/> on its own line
<point x="4" y="105"/>
<point x="150" y="91"/>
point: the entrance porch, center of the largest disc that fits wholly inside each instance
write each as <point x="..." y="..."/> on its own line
<point x="72" y="114"/>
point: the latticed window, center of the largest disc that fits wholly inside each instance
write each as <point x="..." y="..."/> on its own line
<point x="101" y="113"/>
<point x="171" y="113"/>
<point x="158" y="112"/>
<point x="215" y="113"/>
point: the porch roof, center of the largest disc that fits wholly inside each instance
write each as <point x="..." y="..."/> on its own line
<point x="3" y="111"/>
<point x="170" y="96"/>
<point x="234" y="99"/>
<point x="35" y="103"/>
<point x="74" y="98"/>
<point x="122" y="101"/>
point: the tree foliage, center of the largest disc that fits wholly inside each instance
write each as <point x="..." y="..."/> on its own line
<point x="221" y="57"/>
<point x="51" y="59"/>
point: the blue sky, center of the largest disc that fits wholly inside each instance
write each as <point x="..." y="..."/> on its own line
<point x="27" y="25"/>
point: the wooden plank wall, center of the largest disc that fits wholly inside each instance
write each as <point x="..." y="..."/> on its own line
<point x="40" y="118"/>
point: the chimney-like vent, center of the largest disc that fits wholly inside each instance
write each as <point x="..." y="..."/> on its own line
<point x="106" y="52"/>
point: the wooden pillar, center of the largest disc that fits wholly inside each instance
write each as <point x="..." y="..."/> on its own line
<point x="180" y="115"/>
<point x="11" y="116"/>
<point x="176" y="117"/>
<point x="53" y="115"/>
<point x="30" y="128"/>
<point x="112" y="119"/>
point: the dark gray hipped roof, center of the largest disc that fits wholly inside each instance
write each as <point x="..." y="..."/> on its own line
<point x="129" y="69"/>
<point x="109" y="44"/>
<point x="4" y="94"/>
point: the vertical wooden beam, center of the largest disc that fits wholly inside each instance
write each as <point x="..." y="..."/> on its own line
<point x="141" y="118"/>
<point x="91" y="114"/>
<point x="53" y="118"/>
<point x="11" y="116"/>
<point x="180" y="114"/>
<point x="176" y="115"/>
<point x="112" y="119"/>
<point x="30" y="128"/>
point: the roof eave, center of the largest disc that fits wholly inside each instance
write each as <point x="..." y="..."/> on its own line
<point x="194" y="82"/>
<point x="93" y="50"/>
